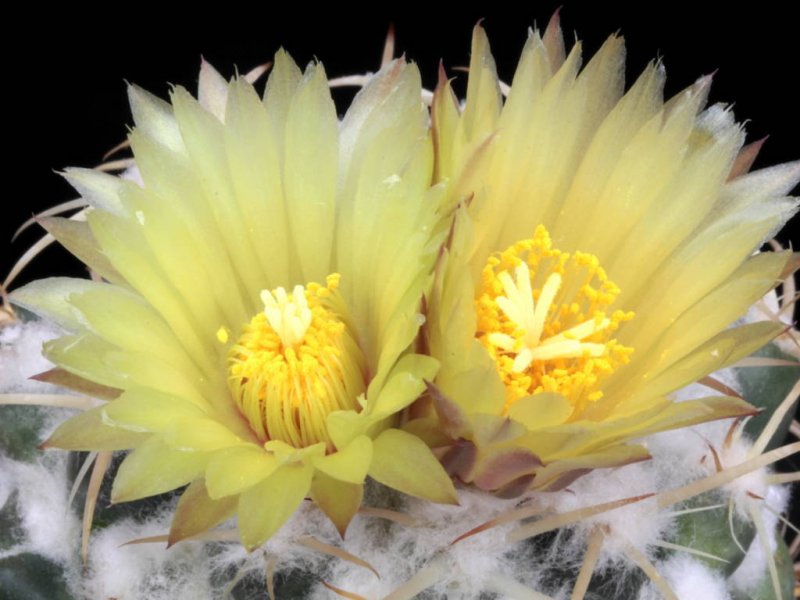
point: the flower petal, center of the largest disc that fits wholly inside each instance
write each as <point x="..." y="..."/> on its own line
<point x="226" y="230"/>
<point x="155" y="118"/>
<point x="154" y="468"/>
<point x="541" y="410"/>
<point x="403" y="462"/>
<point x="630" y="421"/>
<point x="203" y="434"/>
<point x="197" y="512"/>
<point x="698" y="324"/>
<point x="349" y="464"/>
<point x="100" y="190"/>
<point x="502" y="468"/>
<point x="386" y="162"/>
<point x="77" y="237"/>
<point x="130" y="254"/>
<point x="109" y="310"/>
<point x="404" y="384"/>
<point x="234" y="470"/>
<point x="49" y="298"/>
<point x="79" y="355"/>
<point x="310" y="173"/>
<point x="91" y="431"/>
<point x="560" y="474"/>
<point x="338" y="499"/>
<point x="253" y="147"/>
<point x="212" y="90"/>
<point x="722" y="350"/>
<point x="265" y="507"/>
<point x="146" y="410"/>
<point x="281" y="88"/>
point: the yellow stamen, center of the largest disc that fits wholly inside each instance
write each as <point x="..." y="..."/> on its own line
<point x="542" y="315"/>
<point x="295" y="363"/>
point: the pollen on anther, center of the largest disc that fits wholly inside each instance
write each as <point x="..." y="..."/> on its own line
<point x="541" y="338"/>
<point x="293" y="364"/>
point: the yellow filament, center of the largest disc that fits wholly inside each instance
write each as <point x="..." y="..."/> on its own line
<point x="294" y="364"/>
<point x="543" y="317"/>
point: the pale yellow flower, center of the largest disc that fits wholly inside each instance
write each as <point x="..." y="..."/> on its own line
<point x="262" y="298"/>
<point x="602" y="247"/>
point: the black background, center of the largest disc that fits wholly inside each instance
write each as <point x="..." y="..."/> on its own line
<point x="65" y="81"/>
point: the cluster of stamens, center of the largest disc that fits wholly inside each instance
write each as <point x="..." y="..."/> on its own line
<point x="543" y="316"/>
<point x="294" y="364"/>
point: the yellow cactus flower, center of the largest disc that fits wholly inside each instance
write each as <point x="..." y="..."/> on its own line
<point x="603" y="245"/>
<point x="262" y="294"/>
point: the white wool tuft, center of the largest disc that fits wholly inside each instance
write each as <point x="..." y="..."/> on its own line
<point x="21" y="356"/>
<point x="38" y="489"/>
<point x="754" y="566"/>
<point x="752" y="569"/>
<point x="398" y="552"/>
<point x="777" y="499"/>
<point x="636" y="524"/>
<point x="687" y="454"/>
<point x="684" y="455"/>
<point x="148" y="571"/>
<point x="49" y="527"/>
<point x="689" y="579"/>
<point x="754" y="483"/>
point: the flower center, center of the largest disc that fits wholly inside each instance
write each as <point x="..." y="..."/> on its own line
<point x="542" y="315"/>
<point x="295" y="363"/>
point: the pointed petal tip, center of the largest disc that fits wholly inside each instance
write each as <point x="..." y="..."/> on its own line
<point x="442" y="73"/>
<point x="707" y="78"/>
<point x="555" y="19"/>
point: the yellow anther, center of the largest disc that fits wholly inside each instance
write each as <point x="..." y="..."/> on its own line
<point x="294" y="364"/>
<point x="543" y="317"/>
